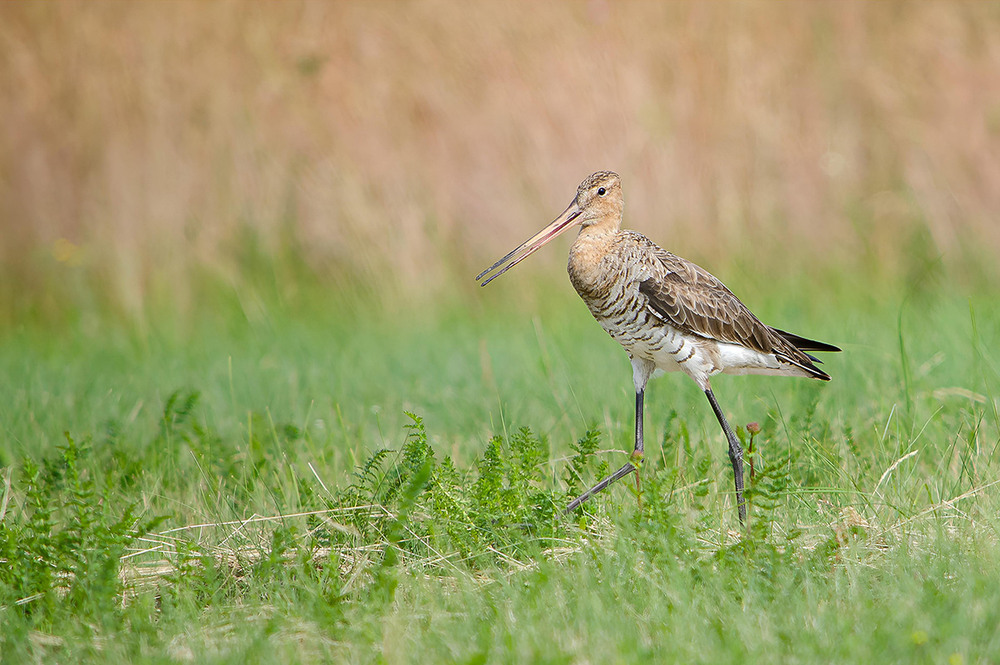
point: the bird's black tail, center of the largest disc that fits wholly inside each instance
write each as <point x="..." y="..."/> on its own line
<point x="803" y="344"/>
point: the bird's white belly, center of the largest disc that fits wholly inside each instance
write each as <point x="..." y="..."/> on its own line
<point x="736" y="359"/>
<point x="668" y="349"/>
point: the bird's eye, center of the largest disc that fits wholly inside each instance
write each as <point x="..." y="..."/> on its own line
<point x="602" y="191"/>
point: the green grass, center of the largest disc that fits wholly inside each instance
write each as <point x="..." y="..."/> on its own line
<point x="245" y="485"/>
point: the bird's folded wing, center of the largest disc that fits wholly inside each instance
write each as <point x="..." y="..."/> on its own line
<point x="693" y="300"/>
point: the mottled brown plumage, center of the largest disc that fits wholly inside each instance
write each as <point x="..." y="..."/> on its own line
<point x="668" y="313"/>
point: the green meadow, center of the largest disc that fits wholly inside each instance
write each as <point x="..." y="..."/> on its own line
<point x="318" y="479"/>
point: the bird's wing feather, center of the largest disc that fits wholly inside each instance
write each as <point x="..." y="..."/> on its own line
<point x="691" y="299"/>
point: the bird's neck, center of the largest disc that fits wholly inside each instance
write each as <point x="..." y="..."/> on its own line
<point x="606" y="226"/>
<point x="586" y="254"/>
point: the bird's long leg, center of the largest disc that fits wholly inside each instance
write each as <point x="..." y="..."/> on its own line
<point x="601" y="486"/>
<point x="625" y="470"/>
<point x="637" y="452"/>
<point x="735" y="454"/>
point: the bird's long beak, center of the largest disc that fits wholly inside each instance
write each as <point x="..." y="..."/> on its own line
<point x="529" y="246"/>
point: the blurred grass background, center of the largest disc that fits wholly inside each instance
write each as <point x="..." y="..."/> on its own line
<point x="238" y="241"/>
<point x="148" y="151"/>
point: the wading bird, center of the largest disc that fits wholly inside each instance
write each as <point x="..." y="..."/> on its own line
<point x="669" y="314"/>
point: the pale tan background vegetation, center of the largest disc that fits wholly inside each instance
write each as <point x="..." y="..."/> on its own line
<point x="144" y="143"/>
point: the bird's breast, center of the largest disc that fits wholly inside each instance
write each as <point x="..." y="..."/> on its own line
<point x="591" y="267"/>
<point x="607" y="280"/>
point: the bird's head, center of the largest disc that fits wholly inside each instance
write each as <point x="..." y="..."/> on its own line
<point x="598" y="200"/>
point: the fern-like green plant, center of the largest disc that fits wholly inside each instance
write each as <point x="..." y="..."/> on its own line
<point x="65" y="539"/>
<point x="585" y="447"/>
